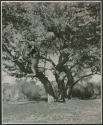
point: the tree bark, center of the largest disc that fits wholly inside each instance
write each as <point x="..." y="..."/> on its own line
<point x="69" y="85"/>
<point x="46" y="83"/>
<point x="44" y="80"/>
<point x="69" y="92"/>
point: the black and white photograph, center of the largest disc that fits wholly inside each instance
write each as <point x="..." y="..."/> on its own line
<point x="51" y="62"/>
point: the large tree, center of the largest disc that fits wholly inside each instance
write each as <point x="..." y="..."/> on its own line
<point x="33" y="31"/>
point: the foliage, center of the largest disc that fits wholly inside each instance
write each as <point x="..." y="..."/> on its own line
<point x="70" y="30"/>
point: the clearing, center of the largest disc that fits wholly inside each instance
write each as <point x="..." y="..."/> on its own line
<point x="74" y="111"/>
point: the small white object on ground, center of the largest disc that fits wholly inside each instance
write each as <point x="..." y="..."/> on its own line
<point x="50" y="99"/>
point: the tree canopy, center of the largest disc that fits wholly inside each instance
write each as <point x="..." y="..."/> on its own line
<point x="72" y="31"/>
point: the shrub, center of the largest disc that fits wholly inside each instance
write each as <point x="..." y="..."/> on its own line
<point x="11" y="92"/>
<point x="89" y="90"/>
<point x="96" y="90"/>
<point x="78" y="91"/>
<point x="31" y="90"/>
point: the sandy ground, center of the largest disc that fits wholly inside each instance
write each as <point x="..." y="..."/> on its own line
<point x="74" y="111"/>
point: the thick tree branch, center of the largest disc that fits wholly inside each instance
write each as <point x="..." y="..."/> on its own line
<point x="18" y="63"/>
<point x="83" y="77"/>
<point x="48" y="59"/>
<point x="7" y="50"/>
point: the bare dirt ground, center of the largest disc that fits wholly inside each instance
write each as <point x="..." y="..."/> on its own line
<point x="74" y="111"/>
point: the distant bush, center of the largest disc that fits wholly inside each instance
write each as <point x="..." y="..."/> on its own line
<point x="6" y="93"/>
<point x="32" y="91"/>
<point x="91" y="90"/>
<point x="11" y="92"/>
<point x="96" y="90"/>
<point x="78" y="91"/>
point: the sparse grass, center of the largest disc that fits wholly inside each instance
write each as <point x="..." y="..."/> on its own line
<point x="74" y="111"/>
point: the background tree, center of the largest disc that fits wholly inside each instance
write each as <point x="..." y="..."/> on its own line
<point x="69" y="30"/>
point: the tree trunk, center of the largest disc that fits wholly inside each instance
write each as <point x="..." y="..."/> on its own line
<point x="69" y="92"/>
<point x="70" y="83"/>
<point x="44" y="80"/>
<point x="61" y="89"/>
<point x="61" y="86"/>
<point x="46" y="83"/>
